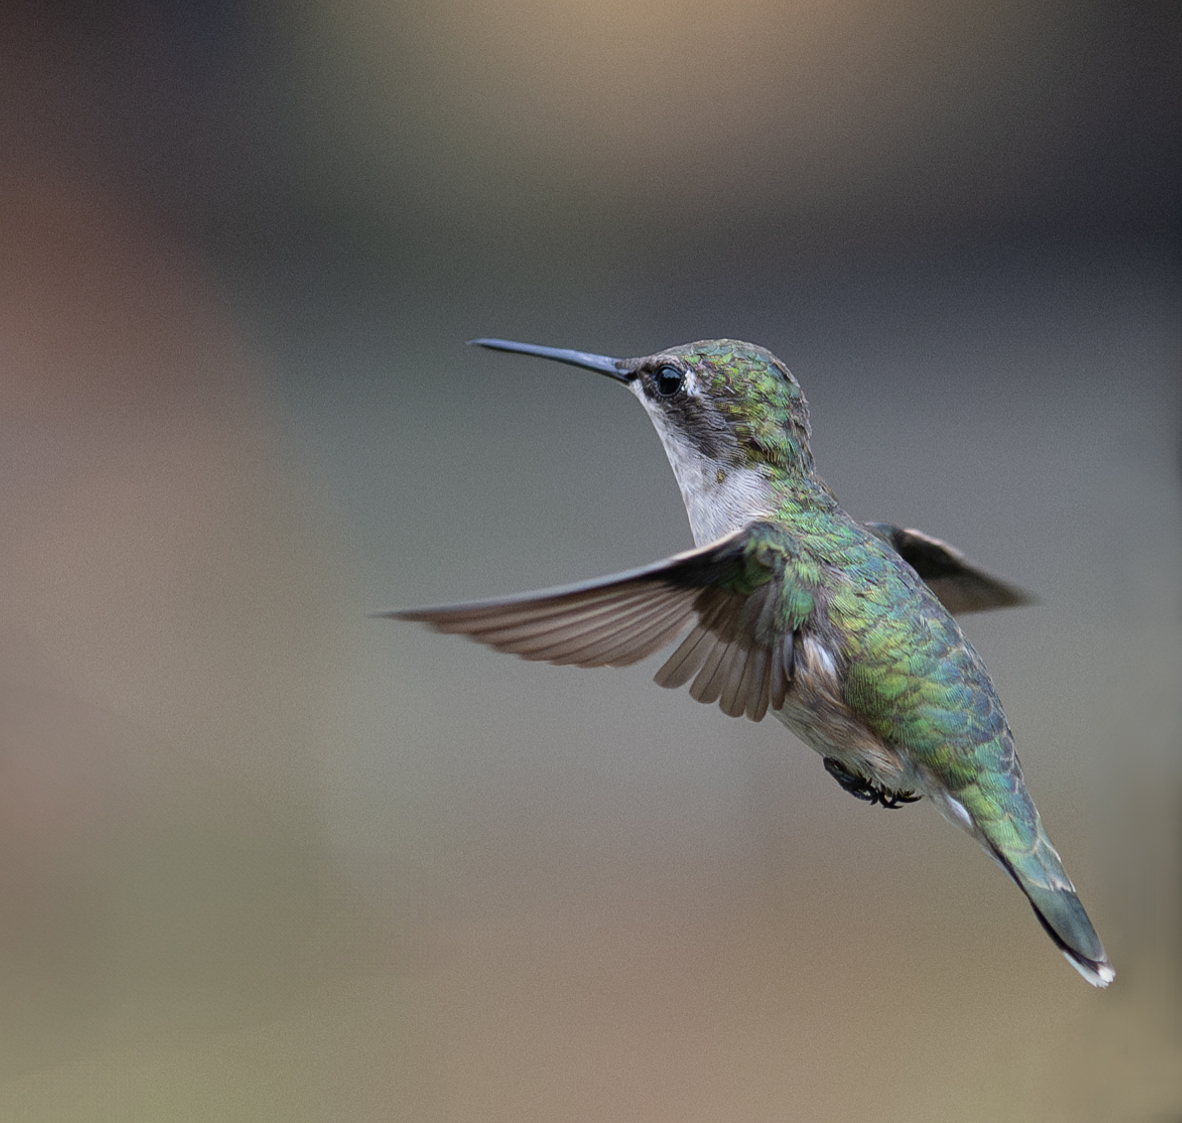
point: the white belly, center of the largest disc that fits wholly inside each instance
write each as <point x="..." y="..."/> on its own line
<point x="815" y="711"/>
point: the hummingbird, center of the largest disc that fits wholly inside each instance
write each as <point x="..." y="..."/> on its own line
<point x="843" y="631"/>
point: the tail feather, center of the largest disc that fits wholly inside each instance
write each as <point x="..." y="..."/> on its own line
<point x="1059" y="911"/>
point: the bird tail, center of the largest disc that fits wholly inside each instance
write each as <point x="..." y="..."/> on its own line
<point x="1039" y="873"/>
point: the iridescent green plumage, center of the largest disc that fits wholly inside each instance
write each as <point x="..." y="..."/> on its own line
<point x="843" y="630"/>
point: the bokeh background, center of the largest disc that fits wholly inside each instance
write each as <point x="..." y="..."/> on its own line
<point x="263" y="857"/>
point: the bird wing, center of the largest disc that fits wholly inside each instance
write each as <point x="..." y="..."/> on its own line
<point x="959" y="585"/>
<point x="736" y="595"/>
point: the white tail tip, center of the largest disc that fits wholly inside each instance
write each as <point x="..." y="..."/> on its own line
<point x="1098" y="974"/>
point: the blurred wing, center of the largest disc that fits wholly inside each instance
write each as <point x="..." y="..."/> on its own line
<point x="960" y="586"/>
<point x="729" y="592"/>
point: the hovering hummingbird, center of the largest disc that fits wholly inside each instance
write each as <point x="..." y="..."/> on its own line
<point x="844" y="631"/>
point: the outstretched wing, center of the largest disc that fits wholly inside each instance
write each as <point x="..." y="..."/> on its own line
<point x="960" y="586"/>
<point x="731" y="593"/>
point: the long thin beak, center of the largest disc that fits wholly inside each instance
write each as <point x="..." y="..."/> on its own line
<point x="619" y="369"/>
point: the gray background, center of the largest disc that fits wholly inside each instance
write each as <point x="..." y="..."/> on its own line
<point x="263" y="857"/>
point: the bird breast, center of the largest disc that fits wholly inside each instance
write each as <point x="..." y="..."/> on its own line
<point x="815" y="710"/>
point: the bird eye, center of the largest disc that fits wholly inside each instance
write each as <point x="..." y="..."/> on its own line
<point x="667" y="381"/>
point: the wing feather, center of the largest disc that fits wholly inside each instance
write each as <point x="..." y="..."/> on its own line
<point x="632" y="640"/>
<point x="782" y="667"/>
<point x="732" y="701"/>
<point x="958" y="584"/>
<point x="726" y="594"/>
<point x="707" y="687"/>
<point x="572" y="639"/>
<point x="520" y="620"/>
<point x="753" y="686"/>
<point x="687" y="660"/>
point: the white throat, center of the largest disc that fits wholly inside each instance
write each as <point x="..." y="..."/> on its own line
<point x="719" y="498"/>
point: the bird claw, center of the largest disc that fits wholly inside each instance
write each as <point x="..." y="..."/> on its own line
<point x="861" y="788"/>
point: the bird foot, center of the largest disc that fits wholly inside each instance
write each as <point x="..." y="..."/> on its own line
<point x="861" y="788"/>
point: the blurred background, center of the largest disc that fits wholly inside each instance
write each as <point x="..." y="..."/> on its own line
<point x="264" y="857"/>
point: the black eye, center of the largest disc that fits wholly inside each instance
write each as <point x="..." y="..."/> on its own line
<point x="667" y="381"/>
